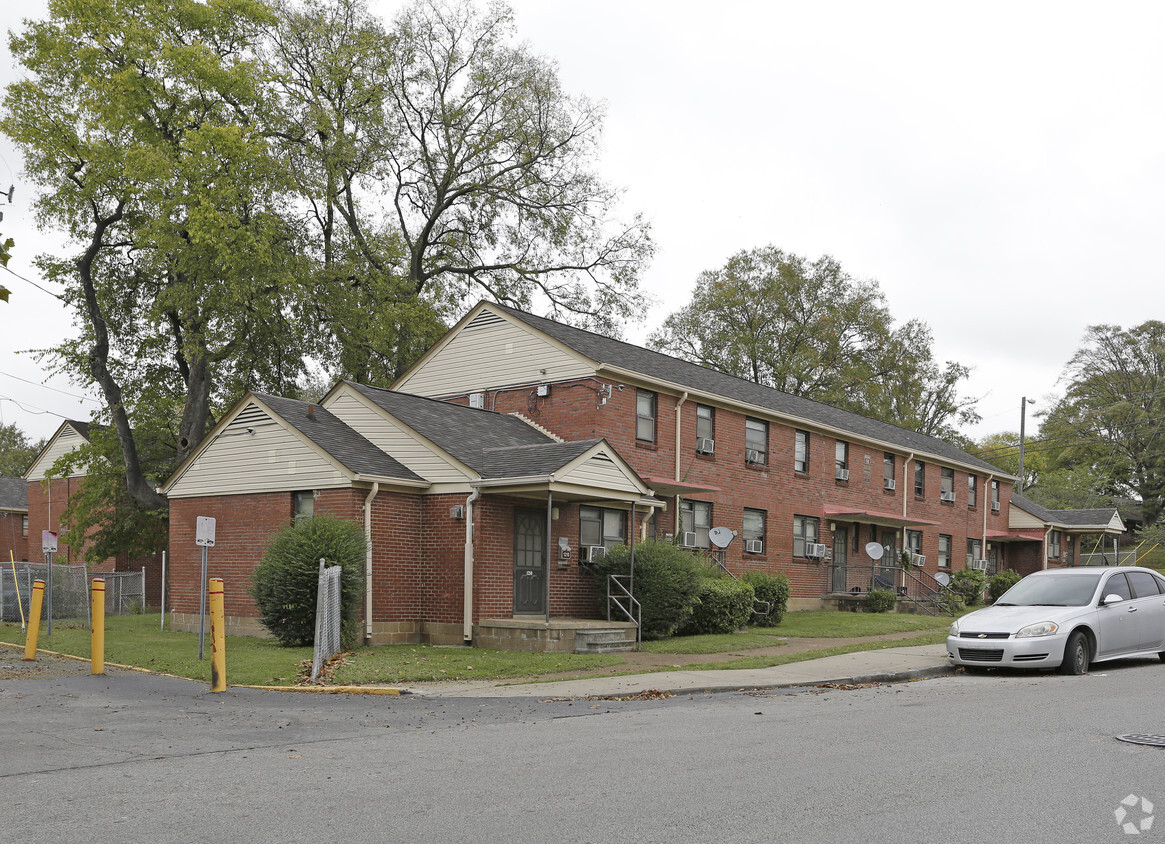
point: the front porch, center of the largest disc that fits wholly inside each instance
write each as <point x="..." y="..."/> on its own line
<point x="558" y="635"/>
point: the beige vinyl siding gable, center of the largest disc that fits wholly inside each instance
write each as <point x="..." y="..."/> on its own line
<point x="492" y="352"/>
<point x="272" y="459"/>
<point x="66" y="439"/>
<point x="599" y="470"/>
<point x="385" y="433"/>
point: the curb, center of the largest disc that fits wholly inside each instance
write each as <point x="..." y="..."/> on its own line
<point x="857" y="680"/>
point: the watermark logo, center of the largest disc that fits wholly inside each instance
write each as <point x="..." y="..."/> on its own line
<point x="1132" y="820"/>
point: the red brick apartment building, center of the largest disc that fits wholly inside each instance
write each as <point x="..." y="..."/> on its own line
<point x="516" y="445"/>
<point x="13" y="519"/>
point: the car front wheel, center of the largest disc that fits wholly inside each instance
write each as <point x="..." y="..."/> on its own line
<point x="1075" y="654"/>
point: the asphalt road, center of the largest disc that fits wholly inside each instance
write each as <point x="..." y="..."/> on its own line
<point x="134" y="757"/>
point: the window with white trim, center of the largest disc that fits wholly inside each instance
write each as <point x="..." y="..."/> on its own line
<point x="645" y="416"/>
<point x="601" y="526"/>
<point x="804" y="533"/>
<point x="888" y="469"/>
<point x="752" y="528"/>
<point x="696" y="517"/>
<point x="756" y="440"/>
<point x="801" y="451"/>
<point x="972" y="490"/>
<point x="919" y="478"/>
<point x="705" y="423"/>
<point x="841" y="460"/>
<point x="947" y="482"/>
<point x="944" y="551"/>
<point x="974" y="550"/>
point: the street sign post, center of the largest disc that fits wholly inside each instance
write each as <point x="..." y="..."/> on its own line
<point x="48" y="544"/>
<point x="204" y="527"/>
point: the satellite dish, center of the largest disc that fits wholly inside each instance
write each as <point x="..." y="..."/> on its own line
<point x="943" y="578"/>
<point x="875" y="550"/>
<point x="721" y="537"/>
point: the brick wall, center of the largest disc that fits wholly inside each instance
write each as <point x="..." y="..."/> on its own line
<point x="13" y="542"/>
<point x="573" y="410"/>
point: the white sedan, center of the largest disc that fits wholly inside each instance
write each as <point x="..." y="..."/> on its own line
<point x="1065" y="618"/>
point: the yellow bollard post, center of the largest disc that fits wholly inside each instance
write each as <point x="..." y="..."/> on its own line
<point x="34" y="620"/>
<point x="218" y="639"/>
<point x="97" y="642"/>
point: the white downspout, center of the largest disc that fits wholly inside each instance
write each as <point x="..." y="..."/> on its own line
<point x="368" y="561"/>
<point x="986" y="504"/>
<point x="679" y="405"/>
<point x="467" y="617"/>
<point x="907" y="481"/>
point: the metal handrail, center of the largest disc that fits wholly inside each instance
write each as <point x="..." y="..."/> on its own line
<point x="917" y="586"/>
<point x="635" y="617"/>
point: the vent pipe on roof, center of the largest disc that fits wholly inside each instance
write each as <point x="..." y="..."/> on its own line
<point x="311" y="412"/>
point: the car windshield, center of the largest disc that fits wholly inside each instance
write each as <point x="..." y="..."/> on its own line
<point x="1065" y="590"/>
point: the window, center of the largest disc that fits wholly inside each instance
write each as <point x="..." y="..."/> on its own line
<point x="801" y="451"/>
<point x="705" y="428"/>
<point x="1143" y="583"/>
<point x="303" y="504"/>
<point x="1067" y="550"/>
<point x="974" y="550"/>
<point x="1117" y="585"/>
<point x="947" y="482"/>
<point x="645" y="416"/>
<point x="1054" y="545"/>
<point x="804" y="533"/>
<point x="972" y="490"/>
<point x="919" y="478"/>
<point x="914" y="541"/>
<point x="995" y="495"/>
<point x="756" y="441"/>
<point x="841" y="460"/>
<point x="944" y="551"/>
<point x="24" y="525"/>
<point x="753" y="528"/>
<point x="888" y="470"/>
<point x="601" y="526"/>
<point x="696" y="517"/>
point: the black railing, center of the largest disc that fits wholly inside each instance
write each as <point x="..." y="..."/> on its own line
<point x="914" y="585"/>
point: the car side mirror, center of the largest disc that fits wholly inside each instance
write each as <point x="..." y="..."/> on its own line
<point x="1111" y="599"/>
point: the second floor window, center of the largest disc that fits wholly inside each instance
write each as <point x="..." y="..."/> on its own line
<point x="841" y="460"/>
<point x="705" y="429"/>
<point x="995" y="495"/>
<point x="919" y="478"/>
<point x="972" y="490"/>
<point x="645" y="416"/>
<point x="948" y="484"/>
<point x="801" y="451"/>
<point x="888" y="470"/>
<point x="756" y="441"/>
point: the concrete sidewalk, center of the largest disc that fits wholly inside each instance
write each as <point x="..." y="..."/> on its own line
<point x="886" y="665"/>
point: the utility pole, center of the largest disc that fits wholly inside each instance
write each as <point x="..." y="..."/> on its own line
<point x="1023" y="403"/>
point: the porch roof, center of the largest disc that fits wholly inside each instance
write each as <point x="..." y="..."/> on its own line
<point x="872" y="517"/>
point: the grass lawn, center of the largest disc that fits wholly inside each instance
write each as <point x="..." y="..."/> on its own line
<point x="806" y="624"/>
<point x="136" y="640"/>
<point x="937" y="637"/>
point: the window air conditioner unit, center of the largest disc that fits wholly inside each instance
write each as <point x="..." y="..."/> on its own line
<point x="888" y="483"/>
<point x="842" y="474"/>
<point x="751" y="455"/>
<point x="705" y="445"/>
<point x="815" y="550"/>
<point x="946" y="496"/>
<point x="477" y="400"/>
<point x="754" y="546"/>
<point x="688" y="539"/>
<point x="981" y="565"/>
<point x="917" y="559"/>
<point x="591" y="554"/>
<point x="995" y="507"/>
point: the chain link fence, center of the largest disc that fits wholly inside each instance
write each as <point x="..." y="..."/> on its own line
<point x="327" y="642"/>
<point x="125" y="591"/>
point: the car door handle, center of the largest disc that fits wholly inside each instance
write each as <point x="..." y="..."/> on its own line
<point x="1132" y="609"/>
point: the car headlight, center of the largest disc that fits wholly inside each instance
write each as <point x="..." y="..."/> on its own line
<point x="1042" y="628"/>
<point x="955" y="627"/>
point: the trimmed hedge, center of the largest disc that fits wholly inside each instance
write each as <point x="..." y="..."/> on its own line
<point x="773" y="588"/>
<point x="880" y="600"/>
<point x="286" y="582"/>
<point x="725" y="605"/>
<point x="666" y="582"/>
<point x="1001" y="582"/>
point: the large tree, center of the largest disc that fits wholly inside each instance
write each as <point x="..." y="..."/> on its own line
<point x="810" y="329"/>
<point x="16" y="451"/>
<point x="1111" y="419"/>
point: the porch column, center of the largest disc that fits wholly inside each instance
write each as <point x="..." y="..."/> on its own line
<point x="549" y="546"/>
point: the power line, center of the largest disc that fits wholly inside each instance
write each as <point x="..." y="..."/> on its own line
<point x="36" y="411"/>
<point x="47" y="387"/>
<point x="33" y="283"/>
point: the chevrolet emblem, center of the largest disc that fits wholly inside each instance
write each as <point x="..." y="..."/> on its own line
<point x="982" y="635"/>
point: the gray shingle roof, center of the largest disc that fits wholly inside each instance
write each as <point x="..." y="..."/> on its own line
<point x="13" y="494"/>
<point x="659" y="366"/>
<point x="337" y="439"/>
<point x="521" y="460"/>
<point x="464" y="432"/>
<point x="1096" y="517"/>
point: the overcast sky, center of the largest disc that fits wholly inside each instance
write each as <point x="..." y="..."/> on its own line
<point x="996" y="167"/>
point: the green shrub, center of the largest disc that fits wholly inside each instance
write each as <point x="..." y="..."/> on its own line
<point x="968" y="584"/>
<point x="881" y="600"/>
<point x="725" y="605"/>
<point x="666" y="580"/>
<point x="1001" y="582"/>
<point x="286" y="582"/>
<point x="773" y="588"/>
